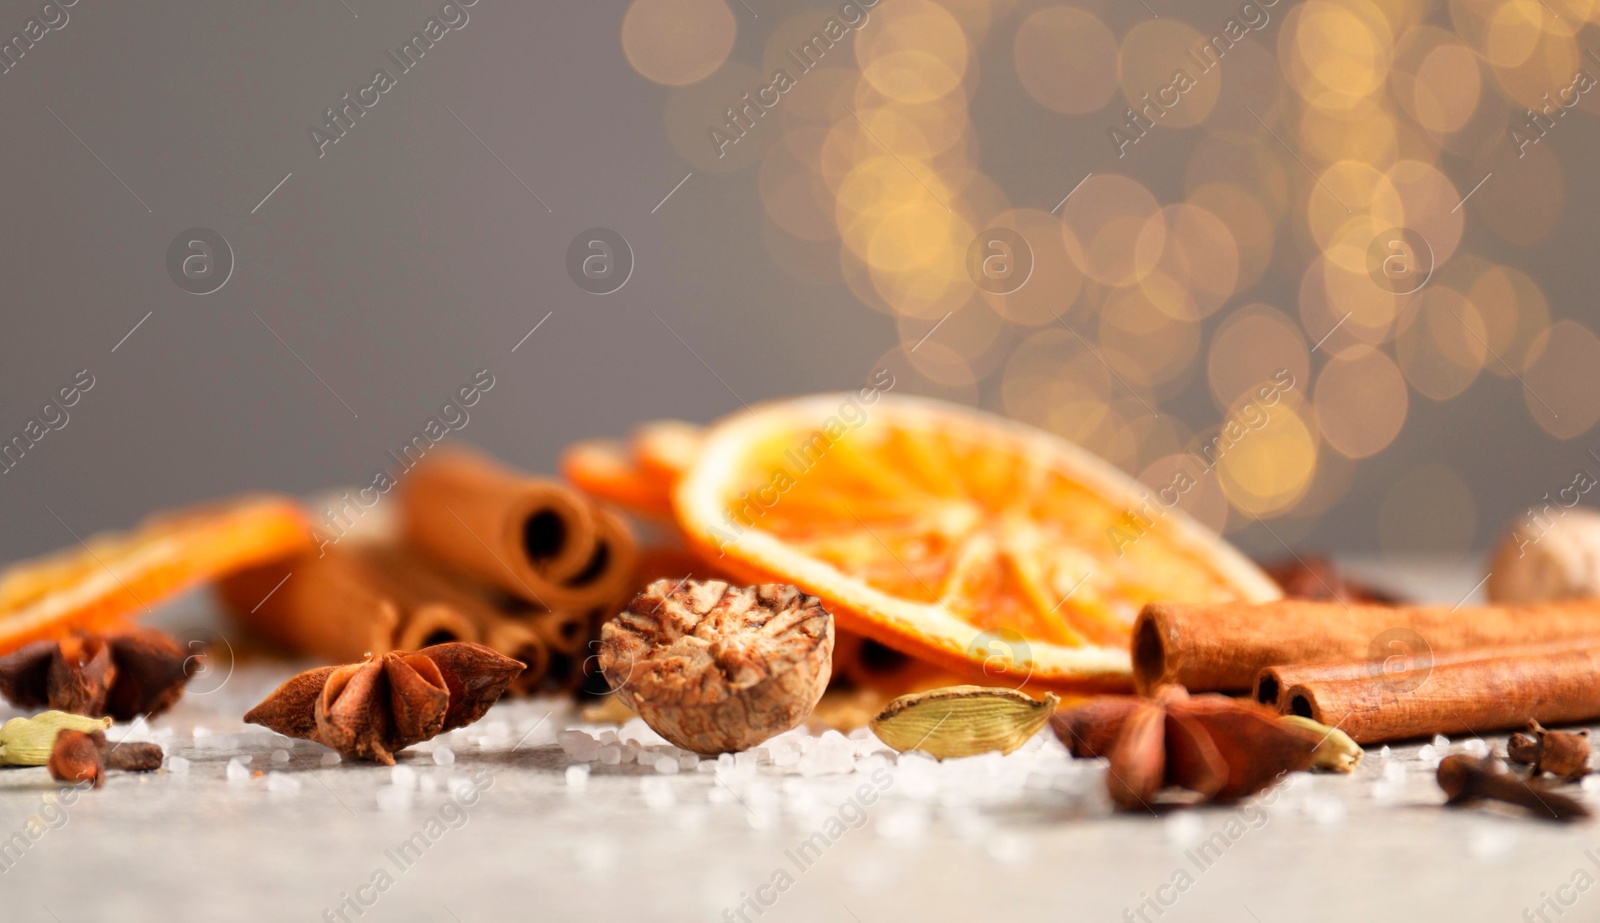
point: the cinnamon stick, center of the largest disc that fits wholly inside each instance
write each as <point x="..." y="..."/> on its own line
<point x="1223" y="646"/>
<point x="327" y="607"/>
<point x="1465" y="697"/>
<point x="428" y="625"/>
<point x="1273" y="683"/>
<point x="530" y="537"/>
<point x="515" y="639"/>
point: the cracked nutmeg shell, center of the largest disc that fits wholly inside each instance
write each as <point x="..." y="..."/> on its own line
<point x="715" y="668"/>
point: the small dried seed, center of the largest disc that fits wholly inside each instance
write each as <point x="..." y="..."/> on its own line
<point x="962" y="721"/>
<point x="135" y="757"/>
<point x="1336" y="752"/>
<point x="28" y="741"/>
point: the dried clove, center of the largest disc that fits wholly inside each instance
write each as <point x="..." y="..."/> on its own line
<point x="1468" y="781"/>
<point x="1560" y="753"/>
<point x="79" y="757"/>
<point x="84" y="756"/>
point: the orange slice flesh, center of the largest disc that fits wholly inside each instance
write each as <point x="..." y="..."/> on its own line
<point x="951" y="534"/>
<point x="114" y="575"/>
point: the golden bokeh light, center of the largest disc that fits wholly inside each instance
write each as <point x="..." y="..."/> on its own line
<point x="1264" y="468"/>
<point x="1108" y="222"/>
<point x="1441" y="83"/>
<point x="1336" y="54"/>
<point x="1249" y="348"/>
<point x="1055" y="280"/>
<point x="677" y="42"/>
<point x="1225" y="231"/>
<point x="1442" y="344"/>
<point x="1561" y="385"/>
<point x="1361" y="401"/>
<point x="914" y="52"/>
<point x="1163" y="78"/>
<point x="1193" y="249"/>
<point x="1514" y="312"/>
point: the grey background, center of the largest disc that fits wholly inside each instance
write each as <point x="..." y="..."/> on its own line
<point x="407" y="258"/>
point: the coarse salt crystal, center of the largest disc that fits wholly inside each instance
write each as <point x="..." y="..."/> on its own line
<point x="394" y="798"/>
<point x="177" y="764"/>
<point x="444" y="756"/>
<point x="667" y="765"/>
<point x="1476" y="746"/>
<point x="280" y="756"/>
<point x="610" y="755"/>
<point x="403" y="777"/>
<point x="1441" y="742"/>
<point x="577" y="776"/>
<point x="330" y="759"/>
<point x="688" y="761"/>
<point x="236" y="772"/>
<point x="282" y="783"/>
<point x="1427" y="752"/>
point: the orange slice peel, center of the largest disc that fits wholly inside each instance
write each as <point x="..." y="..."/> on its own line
<point x="112" y="576"/>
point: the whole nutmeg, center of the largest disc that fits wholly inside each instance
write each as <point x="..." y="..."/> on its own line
<point x="1551" y="555"/>
<point x="715" y="668"/>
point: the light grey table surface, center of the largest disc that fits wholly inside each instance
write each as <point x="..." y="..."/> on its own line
<point x="1017" y="838"/>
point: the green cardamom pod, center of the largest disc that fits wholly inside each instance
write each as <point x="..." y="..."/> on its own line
<point x="28" y="741"/>
<point x="1336" y="752"/>
<point x="962" y="721"/>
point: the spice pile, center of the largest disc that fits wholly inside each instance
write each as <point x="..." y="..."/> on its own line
<point x="939" y="587"/>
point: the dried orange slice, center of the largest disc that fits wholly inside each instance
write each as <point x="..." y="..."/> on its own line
<point x="113" y="575"/>
<point x="605" y="469"/>
<point x="665" y="449"/>
<point x="972" y="541"/>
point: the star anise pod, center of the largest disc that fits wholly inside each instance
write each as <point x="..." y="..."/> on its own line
<point x="1219" y="748"/>
<point x="121" y="674"/>
<point x="372" y="709"/>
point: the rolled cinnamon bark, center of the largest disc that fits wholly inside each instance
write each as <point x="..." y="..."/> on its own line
<point x="529" y="537"/>
<point x="433" y="624"/>
<point x="1273" y="683"/>
<point x="325" y="607"/>
<point x="565" y="632"/>
<point x="520" y="642"/>
<point x="512" y="626"/>
<point x="1223" y="646"/>
<point x="1465" y="697"/>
